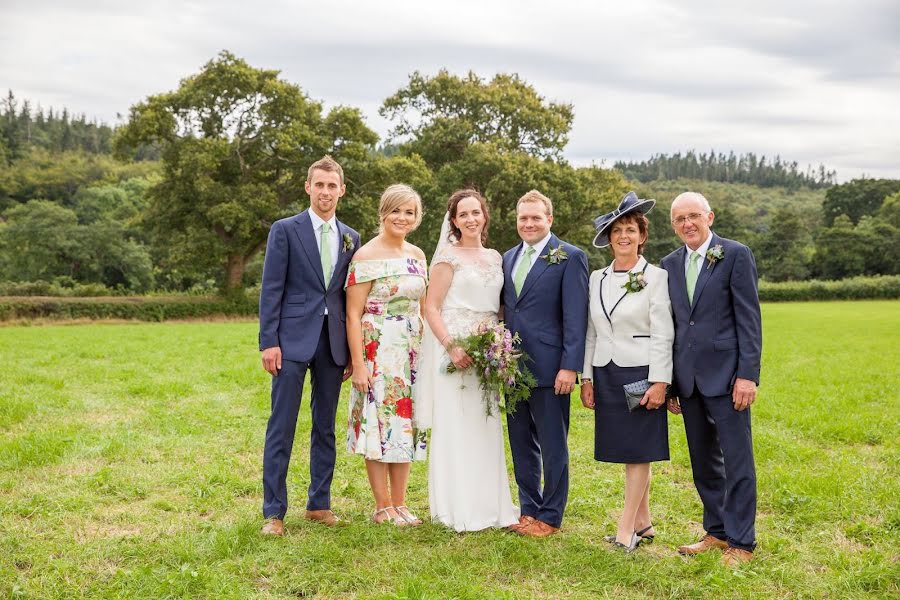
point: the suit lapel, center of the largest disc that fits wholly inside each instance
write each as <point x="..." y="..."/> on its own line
<point x="308" y="241"/>
<point x="706" y="270"/>
<point x="680" y="282"/>
<point x="600" y="289"/>
<point x="343" y="255"/>
<point x="639" y="267"/>
<point x="540" y="265"/>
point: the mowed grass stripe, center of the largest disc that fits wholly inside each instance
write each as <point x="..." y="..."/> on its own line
<point x="130" y="459"/>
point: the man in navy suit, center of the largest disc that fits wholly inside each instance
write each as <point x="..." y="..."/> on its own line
<point x="718" y="344"/>
<point x="301" y="328"/>
<point x="545" y="301"/>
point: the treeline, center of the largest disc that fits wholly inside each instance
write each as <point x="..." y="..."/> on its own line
<point x="744" y="168"/>
<point x="233" y="144"/>
<point x="23" y="126"/>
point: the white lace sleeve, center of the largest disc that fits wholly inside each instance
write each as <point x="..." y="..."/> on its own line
<point x="446" y="255"/>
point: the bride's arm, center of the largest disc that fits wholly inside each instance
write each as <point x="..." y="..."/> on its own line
<point x="441" y="276"/>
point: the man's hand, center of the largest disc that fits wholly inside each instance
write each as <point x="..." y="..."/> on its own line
<point x="655" y="396"/>
<point x="673" y="405"/>
<point x="565" y="382"/>
<point x="348" y="371"/>
<point x="271" y="360"/>
<point x="587" y="393"/>
<point x="743" y="393"/>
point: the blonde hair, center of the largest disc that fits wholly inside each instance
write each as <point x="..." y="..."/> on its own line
<point x="536" y="196"/>
<point x="326" y="163"/>
<point x="394" y="197"/>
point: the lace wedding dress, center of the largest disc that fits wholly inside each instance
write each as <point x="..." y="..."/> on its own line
<point x="468" y="484"/>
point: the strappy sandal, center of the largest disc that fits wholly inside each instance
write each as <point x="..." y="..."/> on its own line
<point x="645" y="539"/>
<point x="410" y="518"/>
<point x="635" y="542"/>
<point x="386" y="510"/>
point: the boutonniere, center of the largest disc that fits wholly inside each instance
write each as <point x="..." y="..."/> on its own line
<point x="555" y="256"/>
<point x="636" y="282"/>
<point x="714" y="254"/>
<point x="348" y="242"/>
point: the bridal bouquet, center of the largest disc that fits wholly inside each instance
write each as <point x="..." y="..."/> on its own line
<point x="499" y="365"/>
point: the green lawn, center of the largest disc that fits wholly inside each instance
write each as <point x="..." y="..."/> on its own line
<point x="130" y="461"/>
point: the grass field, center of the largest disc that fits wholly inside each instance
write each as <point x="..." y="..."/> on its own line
<point x="130" y="462"/>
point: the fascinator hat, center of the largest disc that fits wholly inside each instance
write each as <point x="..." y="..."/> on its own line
<point x="629" y="204"/>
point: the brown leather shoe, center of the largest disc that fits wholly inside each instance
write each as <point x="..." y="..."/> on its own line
<point x="325" y="517"/>
<point x="273" y="527"/>
<point x="539" y="529"/>
<point x="734" y="557"/>
<point x="709" y="542"/>
<point x="524" y="521"/>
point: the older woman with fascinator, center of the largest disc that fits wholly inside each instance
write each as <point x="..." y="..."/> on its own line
<point x="628" y="362"/>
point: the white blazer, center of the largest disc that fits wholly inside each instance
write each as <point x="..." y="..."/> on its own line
<point x="636" y="330"/>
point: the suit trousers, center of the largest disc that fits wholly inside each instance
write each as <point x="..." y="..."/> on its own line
<point x="287" y="388"/>
<point x="720" y="444"/>
<point x="538" y="431"/>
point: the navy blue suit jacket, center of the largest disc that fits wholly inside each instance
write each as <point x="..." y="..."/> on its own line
<point x="550" y="315"/>
<point x="294" y="296"/>
<point x="719" y="338"/>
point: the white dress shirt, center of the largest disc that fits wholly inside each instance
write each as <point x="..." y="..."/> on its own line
<point x="702" y="250"/>
<point x="317" y="223"/>
<point x="538" y="248"/>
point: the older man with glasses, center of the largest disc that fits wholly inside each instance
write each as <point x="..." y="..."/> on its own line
<point x="717" y="349"/>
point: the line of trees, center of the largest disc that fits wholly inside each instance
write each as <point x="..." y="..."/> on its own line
<point x="744" y="168"/>
<point x="186" y="189"/>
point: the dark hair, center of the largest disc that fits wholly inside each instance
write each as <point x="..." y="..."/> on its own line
<point x="632" y="217"/>
<point x="455" y="199"/>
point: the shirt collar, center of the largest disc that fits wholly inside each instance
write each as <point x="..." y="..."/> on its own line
<point x="317" y="221"/>
<point x="703" y="247"/>
<point x="538" y="247"/>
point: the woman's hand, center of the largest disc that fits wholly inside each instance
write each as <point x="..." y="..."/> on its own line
<point x="655" y="396"/>
<point x="459" y="357"/>
<point x="587" y="393"/>
<point x="361" y="379"/>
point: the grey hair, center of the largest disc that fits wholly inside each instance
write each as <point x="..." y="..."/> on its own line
<point x="704" y="203"/>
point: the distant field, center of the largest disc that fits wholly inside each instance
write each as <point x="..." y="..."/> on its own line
<point x="130" y="461"/>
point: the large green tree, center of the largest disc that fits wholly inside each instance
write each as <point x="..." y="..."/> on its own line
<point x="857" y="198"/>
<point x="503" y="138"/>
<point x="236" y="142"/>
<point x="781" y="252"/>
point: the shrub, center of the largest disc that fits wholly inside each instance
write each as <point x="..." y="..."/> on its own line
<point x="885" y="287"/>
<point x="140" y="308"/>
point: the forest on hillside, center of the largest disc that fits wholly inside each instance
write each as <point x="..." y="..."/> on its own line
<point x="180" y="197"/>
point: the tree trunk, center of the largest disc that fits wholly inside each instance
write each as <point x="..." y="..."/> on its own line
<point x="235" y="271"/>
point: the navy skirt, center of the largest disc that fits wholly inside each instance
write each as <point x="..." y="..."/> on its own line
<point x="620" y="436"/>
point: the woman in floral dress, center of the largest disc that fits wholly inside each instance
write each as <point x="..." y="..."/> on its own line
<point x="385" y="283"/>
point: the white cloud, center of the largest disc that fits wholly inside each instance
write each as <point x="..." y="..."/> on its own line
<point x="813" y="81"/>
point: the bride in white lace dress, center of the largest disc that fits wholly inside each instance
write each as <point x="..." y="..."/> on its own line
<point x="468" y="484"/>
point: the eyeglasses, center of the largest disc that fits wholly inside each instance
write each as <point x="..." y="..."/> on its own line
<point x="692" y="217"/>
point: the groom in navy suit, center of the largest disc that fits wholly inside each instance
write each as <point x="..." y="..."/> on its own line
<point x="302" y="329"/>
<point x="545" y="300"/>
<point x="718" y="343"/>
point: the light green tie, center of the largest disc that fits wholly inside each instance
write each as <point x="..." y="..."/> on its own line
<point x="325" y="251"/>
<point x="693" y="271"/>
<point x="522" y="271"/>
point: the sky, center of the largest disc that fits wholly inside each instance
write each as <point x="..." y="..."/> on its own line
<point x="815" y="81"/>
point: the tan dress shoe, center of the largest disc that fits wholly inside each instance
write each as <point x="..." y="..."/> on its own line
<point x="539" y="529"/>
<point x="733" y="557"/>
<point x="273" y="527"/>
<point x="709" y="542"/>
<point x="325" y="517"/>
<point x="524" y="521"/>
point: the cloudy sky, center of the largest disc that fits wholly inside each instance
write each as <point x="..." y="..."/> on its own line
<point x="816" y="81"/>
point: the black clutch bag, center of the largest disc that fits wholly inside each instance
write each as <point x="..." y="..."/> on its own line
<point x="634" y="392"/>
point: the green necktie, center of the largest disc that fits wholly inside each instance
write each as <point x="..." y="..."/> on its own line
<point x="693" y="271"/>
<point x="522" y="271"/>
<point x="325" y="251"/>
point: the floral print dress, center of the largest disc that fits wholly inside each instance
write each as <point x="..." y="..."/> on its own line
<point x="381" y="423"/>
